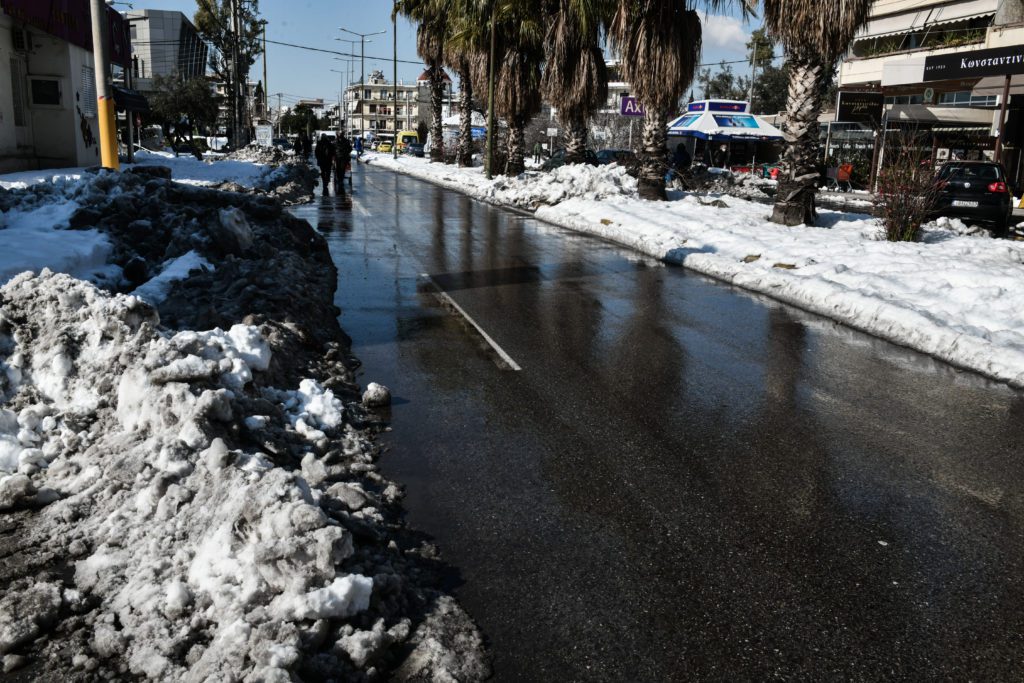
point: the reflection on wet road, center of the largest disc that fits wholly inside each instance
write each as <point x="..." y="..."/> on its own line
<point x="684" y="481"/>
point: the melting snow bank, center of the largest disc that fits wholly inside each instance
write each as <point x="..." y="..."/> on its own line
<point x="956" y="295"/>
<point x="178" y="504"/>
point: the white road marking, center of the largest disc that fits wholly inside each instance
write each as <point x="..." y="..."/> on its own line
<point x="443" y="295"/>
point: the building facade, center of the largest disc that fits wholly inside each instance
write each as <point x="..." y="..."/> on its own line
<point x="48" y="109"/>
<point x="889" y="53"/>
<point x="371" y="109"/>
<point x="164" y="43"/>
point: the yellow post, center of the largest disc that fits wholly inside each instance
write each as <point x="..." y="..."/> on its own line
<point x="104" y="92"/>
<point x="108" y="133"/>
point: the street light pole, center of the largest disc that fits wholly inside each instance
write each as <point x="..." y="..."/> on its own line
<point x="341" y="90"/>
<point x="362" y="71"/>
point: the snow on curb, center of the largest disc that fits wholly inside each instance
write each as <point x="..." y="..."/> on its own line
<point x="955" y="296"/>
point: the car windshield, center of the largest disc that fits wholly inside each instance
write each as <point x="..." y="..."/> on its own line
<point x="969" y="172"/>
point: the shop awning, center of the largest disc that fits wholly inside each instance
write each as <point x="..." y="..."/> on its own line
<point x="949" y="116"/>
<point x="927" y="18"/>
<point x="723" y="126"/>
<point x="130" y="100"/>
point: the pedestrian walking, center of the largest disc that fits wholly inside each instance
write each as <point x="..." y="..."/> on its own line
<point x="325" y="155"/>
<point x="359" y="148"/>
<point x="722" y="156"/>
<point x="538" y="150"/>
<point x="343" y="161"/>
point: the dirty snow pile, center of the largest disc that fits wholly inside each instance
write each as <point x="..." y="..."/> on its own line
<point x="956" y="294"/>
<point x="247" y="173"/>
<point x="187" y="502"/>
<point x="34" y="235"/>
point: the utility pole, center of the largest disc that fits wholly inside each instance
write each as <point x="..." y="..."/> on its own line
<point x="104" y="90"/>
<point x="394" y="66"/>
<point x="489" y="162"/>
<point x="266" y="111"/>
<point x="362" y="72"/>
<point x="236" y="122"/>
<point x="279" y="114"/>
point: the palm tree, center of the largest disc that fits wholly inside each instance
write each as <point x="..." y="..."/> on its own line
<point x="431" y="17"/>
<point x="575" y="79"/>
<point x="519" y="51"/>
<point x="659" y="44"/>
<point x="517" y="82"/>
<point x="814" y="34"/>
<point x="464" y="43"/>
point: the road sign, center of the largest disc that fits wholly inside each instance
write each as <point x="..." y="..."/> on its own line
<point x="630" y="107"/>
<point x="552" y="132"/>
<point x="264" y="135"/>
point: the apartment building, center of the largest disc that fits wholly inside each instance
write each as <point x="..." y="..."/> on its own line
<point x="164" y="43"/>
<point x="889" y="56"/>
<point x="371" y="109"/>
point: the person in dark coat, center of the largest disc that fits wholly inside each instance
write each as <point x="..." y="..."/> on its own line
<point x="359" y="148"/>
<point x="722" y="156"/>
<point x="343" y="161"/>
<point x="681" y="158"/>
<point x="325" y="155"/>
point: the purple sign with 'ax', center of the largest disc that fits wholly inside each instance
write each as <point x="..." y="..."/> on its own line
<point x="630" y="107"/>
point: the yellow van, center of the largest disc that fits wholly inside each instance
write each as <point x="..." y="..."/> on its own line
<point x="407" y="137"/>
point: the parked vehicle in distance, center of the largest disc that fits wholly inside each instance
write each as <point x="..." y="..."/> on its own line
<point x="406" y="138"/>
<point x="282" y="143"/>
<point x="416" y="149"/>
<point x="623" y="157"/>
<point x="558" y="159"/>
<point x="384" y="146"/>
<point x="975" y="190"/>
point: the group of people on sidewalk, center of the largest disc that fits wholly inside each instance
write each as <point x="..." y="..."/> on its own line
<point x="335" y="157"/>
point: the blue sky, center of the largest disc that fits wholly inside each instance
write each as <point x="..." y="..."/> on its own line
<point x="300" y="73"/>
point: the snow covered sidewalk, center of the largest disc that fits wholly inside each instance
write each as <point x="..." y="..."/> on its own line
<point x="957" y="295"/>
<point x="184" y="169"/>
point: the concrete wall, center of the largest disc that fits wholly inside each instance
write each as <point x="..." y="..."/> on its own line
<point x="54" y="136"/>
<point x="8" y="139"/>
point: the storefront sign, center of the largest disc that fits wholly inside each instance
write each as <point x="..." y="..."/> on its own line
<point x="71" y="20"/>
<point x="860" y="107"/>
<point x="998" y="61"/>
<point x="712" y="105"/>
<point x="628" y="106"/>
<point x="264" y="135"/>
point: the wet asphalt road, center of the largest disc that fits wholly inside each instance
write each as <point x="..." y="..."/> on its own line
<point x="684" y="481"/>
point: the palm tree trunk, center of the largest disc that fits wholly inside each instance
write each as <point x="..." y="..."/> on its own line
<point x="797" y="182"/>
<point x="436" y="102"/>
<point x="516" y="163"/>
<point x="575" y="138"/>
<point x="465" y="151"/>
<point x="653" y="165"/>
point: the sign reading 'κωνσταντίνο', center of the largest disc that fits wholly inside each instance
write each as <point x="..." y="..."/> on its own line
<point x="997" y="61"/>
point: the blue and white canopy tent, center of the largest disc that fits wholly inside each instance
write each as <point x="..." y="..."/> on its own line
<point x="722" y="121"/>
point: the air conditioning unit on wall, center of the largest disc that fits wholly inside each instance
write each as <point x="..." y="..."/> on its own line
<point x="21" y="40"/>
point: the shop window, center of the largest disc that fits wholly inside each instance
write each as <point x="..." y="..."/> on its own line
<point x="964" y="98"/>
